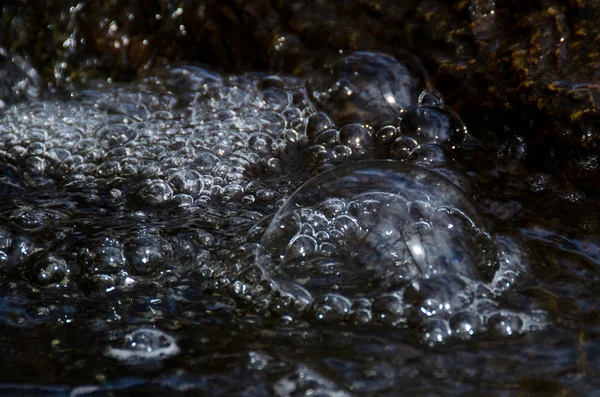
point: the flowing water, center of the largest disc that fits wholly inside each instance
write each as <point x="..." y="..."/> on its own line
<point x="196" y="233"/>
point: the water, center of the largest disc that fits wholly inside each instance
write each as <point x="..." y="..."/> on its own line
<point x="196" y="232"/>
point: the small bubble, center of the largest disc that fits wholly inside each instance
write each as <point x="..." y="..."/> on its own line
<point x="435" y="331"/>
<point x="505" y="324"/>
<point x="466" y="324"/>
<point x="357" y="137"/>
<point x="50" y="269"/>
<point x="147" y="254"/>
<point x="317" y="123"/>
<point x="366" y="87"/>
<point x="144" y="345"/>
<point x="155" y="192"/>
<point x="301" y="246"/>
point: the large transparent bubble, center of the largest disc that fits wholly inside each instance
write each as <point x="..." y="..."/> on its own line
<point x="377" y="225"/>
<point x="367" y="87"/>
<point x="389" y="241"/>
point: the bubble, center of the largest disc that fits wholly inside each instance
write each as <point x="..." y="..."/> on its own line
<point x="32" y="219"/>
<point x="305" y="381"/>
<point x="356" y="137"/>
<point x="388" y="308"/>
<point x="366" y="87"/>
<point x="186" y="181"/>
<point x="505" y="324"/>
<point x="155" y="192"/>
<point x="327" y="138"/>
<point x="388" y="224"/>
<point x="317" y="123"/>
<point x="144" y="345"/>
<point x="115" y="135"/>
<point x="301" y="246"/>
<point x="434" y="295"/>
<point x="14" y="248"/>
<point x="147" y="253"/>
<point x="330" y="308"/>
<point x="205" y="161"/>
<point x="386" y="135"/>
<point x="275" y="99"/>
<point x="109" y="168"/>
<point x="102" y="255"/>
<point x="466" y="324"/>
<point x="433" y="125"/>
<point x="435" y="331"/>
<point x="49" y="269"/>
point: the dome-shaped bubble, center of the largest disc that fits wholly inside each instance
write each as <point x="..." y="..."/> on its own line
<point x="147" y="253"/>
<point x="143" y="345"/>
<point x="387" y="224"/>
<point x="14" y="248"/>
<point x="357" y="137"/>
<point x="433" y="125"/>
<point x="102" y="255"/>
<point x="465" y="324"/>
<point x="155" y="192"/>
<point x="317" y="123"/>
<point x="115" y="135"/>
<point x="49" y="269"/>
<point x="366" y="87"/>
<point x="30" y="219"/>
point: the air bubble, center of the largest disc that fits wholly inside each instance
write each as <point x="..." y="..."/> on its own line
<point x="402" y="147"/>
<point x="317" y="123"/>
<point x="155" y="192"/>
<point x="436" y="331"/>
<point x="330" y="308"/>
<point x="14" y="248"/>
<point x="505" y="324"/>
<point x="387" y="308"/>
<point x="115" y="135"/>
<point x="186" y="181"/>
<point x="301" y="246"/>
<point x="366" y="87"/>
<point x="395" y="246"/>
<point x="144" y="345"/>
<point x="466" y="324"/>
<point x="433" y="125"/>
<point x="148" y="253"/>
<point x="49" y="269"/>
<point x="357" y="137"/>
<point x="103" y="255"/>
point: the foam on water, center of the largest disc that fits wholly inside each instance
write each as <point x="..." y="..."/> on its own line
<point x="176" y="177"/>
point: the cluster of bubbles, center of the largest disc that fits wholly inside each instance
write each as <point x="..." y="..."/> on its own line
<point x="384" y="109"/>
<point x="149" y="180"/>
<point x="181" y="141"/>
<point x="184" y="135"/>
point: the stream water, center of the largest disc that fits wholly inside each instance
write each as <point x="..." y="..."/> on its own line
<point x="191" y="232"/>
